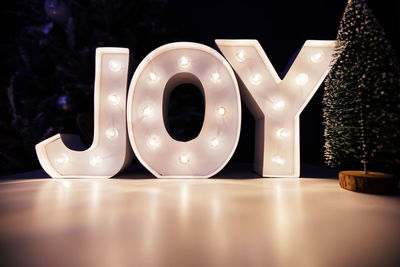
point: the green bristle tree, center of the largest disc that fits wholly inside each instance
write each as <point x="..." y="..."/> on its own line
<point x="361" y="98"/>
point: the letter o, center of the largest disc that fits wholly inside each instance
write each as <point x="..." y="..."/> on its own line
<point x="158" y="74"/>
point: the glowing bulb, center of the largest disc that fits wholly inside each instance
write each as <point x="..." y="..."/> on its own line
<point x="301" y="79"/>
<point x="153" y="142"/>
<point x="184" y="158"/>
<point x="148" y="111"/>
<point x="317" y="57"/>
<point x="278" y="104"/>
<point x="240" y="56"/>
<point x="282" y="133"/>
<point x="153" y="77"/>
<point x="184" y="62"/>
<point x="62" y="159"/>
<point x="112" y="133"/>
<point x="114" y="65"/>
<point x="221" y="111"/>
<point x="95" y="160"/>
<point x="215" y="77"/>
<point x="256" y="78"/>
<point x="278" y="160"/>
<point x="214" y="142"/>
<point x="114" y="99"/>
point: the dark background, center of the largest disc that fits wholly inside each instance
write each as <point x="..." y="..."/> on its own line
<point x="280" y="26"/>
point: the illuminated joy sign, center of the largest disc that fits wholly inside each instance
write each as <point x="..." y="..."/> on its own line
<point x="276" y="105"/>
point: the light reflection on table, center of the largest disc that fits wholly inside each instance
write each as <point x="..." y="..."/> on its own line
<point x="206" y="222"/>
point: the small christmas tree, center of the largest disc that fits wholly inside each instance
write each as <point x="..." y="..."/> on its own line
<point x="361" y="98"/>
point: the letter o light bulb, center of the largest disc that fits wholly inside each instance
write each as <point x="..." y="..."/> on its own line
<point x="184" y="158"/>
<point x="95" y="160"/>
<point x="184" y="62"/>
<point x="221" y="111"/>
<point x="214" y="142"/>
<point x="148" y="111"/>
<point x="215" y="77"/>
<point x="153" y="142"/>
<point x="111" y="133"/>
<point x="153" y="77"/>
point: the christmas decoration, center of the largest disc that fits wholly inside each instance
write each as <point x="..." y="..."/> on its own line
<point x="53" y="70"/>
<point x="154" y="79"/>
<point x="276" y="104"/>
<point x="108" y="153"/>
<point x="362" y="96"/>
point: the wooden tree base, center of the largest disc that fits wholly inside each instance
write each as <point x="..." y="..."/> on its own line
<point x="372" y="182"/>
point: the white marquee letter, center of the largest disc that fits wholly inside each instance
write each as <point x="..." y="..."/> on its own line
<point x="276" y="104"/>
<point x="109" y="152"/>
<point x="158" y="74"/>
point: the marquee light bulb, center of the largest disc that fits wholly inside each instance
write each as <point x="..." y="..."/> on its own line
<point x="221" y="111"/>
<point x="278" y="160"/>
<point x="114" y="99"/>
<point x="301" y="79"/>
<point x="114" y="65"/>
<point x="317" y="57"/>
<point x="184" y="62"/>
<point x="215" y="77"/>
<point x="256" y="78"/>
<point x="148" y="111"/>
<point x="112" y="133"/>
<point x="153" y="77"/>
<point x="153" y="142"/>
<point x="282" y="133"/>
<point x="184" y="158"/>
<point x="214" y="142"/>
<point x="95" y="160"/>
<point x="240" y="56"/>
<point x="278" y="104"/>
<point x="62" y="159"/>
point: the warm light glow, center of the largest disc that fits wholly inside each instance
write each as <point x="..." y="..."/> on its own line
<point x="240" y="56"/>
<point x="153" y="142"/>
<point x="301" y="79"/>
<point x="256" y="78"/>
<point x="114" y="99"/>
<point x="153" y="77"/>
<point x="281" y="101"/>
<point x="114" y="65"/>
<point x="62" y="159"/>
<point x="184" y="62"/>
<point x="278" y="104"/>
<point x="214" y="142"/>
<point x="278" y="160"/>
<point x="175" y="64"/>
<point x="148" y="111"/>
<point x="184" y="158"/>
<point x="109" y="126"/>
<point x="221" y="111"/>
<point x="95" y="160"/>
<point x="112" y="133"/>
<point x="317" y="57"/>
<point x="215" y="77"/>
<point x="282" y="133"/>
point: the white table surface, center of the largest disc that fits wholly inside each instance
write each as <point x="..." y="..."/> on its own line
<point x="189" y="222"/>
